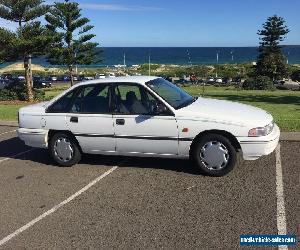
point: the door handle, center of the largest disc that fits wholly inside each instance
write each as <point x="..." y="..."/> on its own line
<point x="120" y="121"/>
<point x="74" y="119"/>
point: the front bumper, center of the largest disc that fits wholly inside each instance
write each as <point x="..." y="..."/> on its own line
<point x="37" y="138"/>
<point x="255" y="147"/>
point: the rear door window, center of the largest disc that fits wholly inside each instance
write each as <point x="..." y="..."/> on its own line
<point x="93" y="99"/>
<point x="62" y="105"/>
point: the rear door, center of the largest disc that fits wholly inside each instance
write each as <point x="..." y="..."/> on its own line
<point x="90" y="119"/>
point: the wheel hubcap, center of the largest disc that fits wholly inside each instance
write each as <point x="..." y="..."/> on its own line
<point x="214" y="155"/>
<point x="63" y="149"/>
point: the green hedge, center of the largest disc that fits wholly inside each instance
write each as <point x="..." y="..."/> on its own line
<point x="258" y="83"/>
<point x="17" y="91"/>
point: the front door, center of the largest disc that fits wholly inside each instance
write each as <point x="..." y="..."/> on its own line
<point x="137" y="128"/>
<point x="90" y="119"/>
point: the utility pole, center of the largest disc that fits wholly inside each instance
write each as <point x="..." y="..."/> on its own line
<point x="189" y="57"/>
<point x="149" y="64"/>
<point x="76" y="67"/>
<point x="217" y="62"/>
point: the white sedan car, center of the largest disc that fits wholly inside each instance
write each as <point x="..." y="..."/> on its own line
<point x="147" y="116"/>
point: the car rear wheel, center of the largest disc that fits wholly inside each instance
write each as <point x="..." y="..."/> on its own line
<point x="64" y="150"/>
<point x="214" y="155"/>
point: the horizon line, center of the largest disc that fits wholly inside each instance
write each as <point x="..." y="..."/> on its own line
<point x="248" y="46"/>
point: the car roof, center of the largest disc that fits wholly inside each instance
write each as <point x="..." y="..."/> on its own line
<point x="124" y="79"/>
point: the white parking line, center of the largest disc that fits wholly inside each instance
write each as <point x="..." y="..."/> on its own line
<point x="52" y="210"/>
<point x="8" y="132"/>
<point x="16" y="155"/>
<point x="281" y="217"/>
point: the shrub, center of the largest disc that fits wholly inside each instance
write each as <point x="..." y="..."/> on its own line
<point x="39" y="94"/>
<point x="16" y="90"/>
<point x="259" y="83"/>
<point x="295" y="76"/>
<point x="6" y="95"/>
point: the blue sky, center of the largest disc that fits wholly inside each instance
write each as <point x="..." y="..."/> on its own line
<point x="178" y="23"/>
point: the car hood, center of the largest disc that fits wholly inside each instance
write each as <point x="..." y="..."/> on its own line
<point x="225" y="112"/>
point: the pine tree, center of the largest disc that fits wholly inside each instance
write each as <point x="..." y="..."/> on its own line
<point x="5" y="44"/>
<point x="271" y="61"/>
<point x="30" y="39"/>
<point x="71" y="31"/>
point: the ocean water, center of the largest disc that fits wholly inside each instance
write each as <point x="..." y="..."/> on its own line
<point x="192" y="55"/>
<point x="183" y="56"/>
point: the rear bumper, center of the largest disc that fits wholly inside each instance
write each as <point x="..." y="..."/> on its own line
<point x="37" y="138"/>
<point x="255" y="147"/>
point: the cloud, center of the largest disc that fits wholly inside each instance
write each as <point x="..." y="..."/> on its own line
<point x="117" y="7"/>
<point x="109" y="7"/>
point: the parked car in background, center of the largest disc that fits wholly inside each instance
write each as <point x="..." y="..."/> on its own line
<point x="4" y="83"/>
<point x="100" y="76"/>
<point x="287" y="84"/>
<point x="41" y="82"/>
<point x="88" y="78"/>
<point x="21" y="78"/>
<point x="150" y="117"/>
<point x="227" y="80"/>
<point x="66" y="78"/>
<point x="61" y="78"/>
<point x="7" y="76"/>
<point x="53" y="78"/>
<point x="194" y="79"/>
<point x="110" y="75"/>
<point x="218" y="80"/>
<point x="237" y="79"/>
<point x="210" y="80"/>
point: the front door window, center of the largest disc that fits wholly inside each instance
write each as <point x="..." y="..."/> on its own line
<point x="135" y="100"/>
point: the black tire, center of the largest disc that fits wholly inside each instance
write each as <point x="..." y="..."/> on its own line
<point x="75" y="155"/>
<point x="203" y="166"/>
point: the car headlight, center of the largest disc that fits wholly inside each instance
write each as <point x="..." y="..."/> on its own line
<point x="261" y="131"/>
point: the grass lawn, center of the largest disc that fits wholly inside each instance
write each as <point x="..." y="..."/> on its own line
<point x="284" y="105"/>
<point x="54" y="91"/>
<point x="9" y="110"/>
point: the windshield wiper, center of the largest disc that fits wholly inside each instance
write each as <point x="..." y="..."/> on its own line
<point x="187" y="103"/>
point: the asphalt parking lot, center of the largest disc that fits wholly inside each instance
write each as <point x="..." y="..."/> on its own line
<point x="140" y="203"/>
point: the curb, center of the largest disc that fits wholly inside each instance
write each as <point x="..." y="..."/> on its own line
<point x="9" y="123"/>
<point x="290" y="136"/>
<point x="284" y="136"/>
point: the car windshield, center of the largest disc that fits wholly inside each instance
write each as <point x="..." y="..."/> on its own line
<point x="172" y="94"/>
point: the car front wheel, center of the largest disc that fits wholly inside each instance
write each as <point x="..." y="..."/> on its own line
<point x="214" y="155"/>
<point x="64" y="150"/>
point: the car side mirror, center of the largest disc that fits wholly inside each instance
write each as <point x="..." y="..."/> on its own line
<point x="158" y="108"/>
